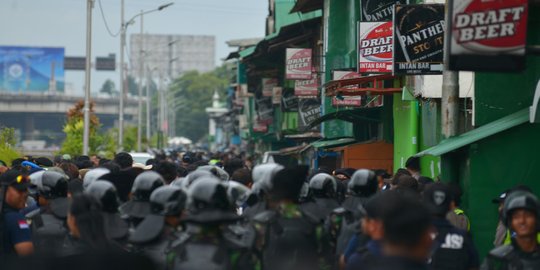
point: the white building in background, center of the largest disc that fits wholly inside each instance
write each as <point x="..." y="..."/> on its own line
<point x="172" y="55"/>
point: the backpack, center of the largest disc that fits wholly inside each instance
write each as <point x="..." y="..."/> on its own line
<point x="290" y="242"/>
<point x="188" y="252"/>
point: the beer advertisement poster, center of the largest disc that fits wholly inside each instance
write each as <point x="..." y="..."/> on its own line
<point x="375" y="47"/>
<point x="268" y="85"/>
<point x="488" y="35"/>
<point x="418" y="39"/>
<point x="346" y="101"/>
<point x="289" y="102"/>
<point x="309" y="88"/>
<point x="265" y="111"/>
<point x="378" y="10"/>
<point x="298" y="64"/>
<point x="309" y="110"/>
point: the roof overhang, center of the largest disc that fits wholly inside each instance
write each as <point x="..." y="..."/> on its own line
<point x="457" y="142"/>
<point x="331" y="143"/>
<point x="371" y="114"/>
<point x="305" y="6"/>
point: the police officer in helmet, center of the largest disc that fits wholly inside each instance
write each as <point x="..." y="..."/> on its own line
<point x="138" y="207"/>
<point x="155" y="234"/>
<point x="323" y="196"/>
<point x="453" y="247"/>
<point x="344" y="223"/>
<point x="48" y="223"/>
<point x="105" y="192"/>
<point x="521" y="214"/>
<point x="206" y="244"/>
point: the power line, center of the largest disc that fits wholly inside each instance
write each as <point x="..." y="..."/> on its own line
<point x="105" y="21"/>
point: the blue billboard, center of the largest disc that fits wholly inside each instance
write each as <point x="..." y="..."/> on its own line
<point x="31" y="69"/>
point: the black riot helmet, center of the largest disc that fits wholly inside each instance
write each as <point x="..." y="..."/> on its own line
<point x="105" y="193"/>
<point x="53" y="185"/>
<point x="209" y="202"/>
<point x="323" y="185"/>
<point x="520" y="199"/>
<point x="145" y="184"/>
<point x="363" y="183"/>
<point x="168" y="201"/>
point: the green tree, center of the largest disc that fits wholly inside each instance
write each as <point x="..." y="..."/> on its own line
<point x="74" y="128"/>
<point x="108" y="87"/>
<point x="7" y="145"/>
<point x="191" y="94"/>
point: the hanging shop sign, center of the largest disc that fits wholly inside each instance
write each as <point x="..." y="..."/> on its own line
<point x="418" y="39"/>
<point x="265" y="111"/>
<point x="309" y="88"/>
<point x="298" y="64"/>
<point x="347" y="101"/>
<point x="375" y="47"/>
<point x="289" y="102"/>
<point x="276" y="95"/>
<point x="309" y="110"/>
<point x="379" y="10"/>
<point x="488" y="35"/>
<point x="267" y="85"/>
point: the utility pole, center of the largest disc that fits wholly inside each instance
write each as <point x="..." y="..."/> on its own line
<point x="148" y="107"/>
<point x="86" y="110"/>
<point x="122" y="79"/>
<point x="449" y="108"/>
<point x="139" y="110"/>
<point x="450" y="90"/>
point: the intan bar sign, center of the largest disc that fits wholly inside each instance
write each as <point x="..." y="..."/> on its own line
<point x="488" y="35"/>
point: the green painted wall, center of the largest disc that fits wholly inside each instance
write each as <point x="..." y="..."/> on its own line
<point x="341" y="22"/>
<point x="429" y="134"/>
<point x="282" y="16"/>
<point x="405" y="130"/>
<point x="492" y="165"/>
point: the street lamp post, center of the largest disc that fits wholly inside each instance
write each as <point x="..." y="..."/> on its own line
<point x="86" y="110"/>
<point x="139" y="111"/>
<point x="123" y="30"/>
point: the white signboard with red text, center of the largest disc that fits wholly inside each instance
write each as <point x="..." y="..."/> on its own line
<point x="268" y="85"/>
<point x="375" y="47"/>
<point x="488" y="35"/>
<point x="347" y="101"/>
<point x="298" y="64"/>
<point x="309" y="88"/>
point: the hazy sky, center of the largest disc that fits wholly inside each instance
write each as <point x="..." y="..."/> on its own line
<point x="62" y="23"/>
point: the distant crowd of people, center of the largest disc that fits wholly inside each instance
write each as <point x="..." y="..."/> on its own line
<point x="220" y="211"/>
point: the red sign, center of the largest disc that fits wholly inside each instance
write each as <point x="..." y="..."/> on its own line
<point x="488" y="28"/>
<point x="298" y="64"/>
<point x="375" y="47"/>
<point x="307" y="87"/>
<point x="349" y="101"/>
<point x="268" y="85"/>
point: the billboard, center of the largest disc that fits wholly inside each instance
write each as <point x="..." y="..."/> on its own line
<point x="488" y="35"/>
<point x="31" y="69"/>
<point x="378" y="10"/>
<point x="309" y="110"/>
<point x="298" y="64"/>
<point x="375" y="47"/>
<point x="418" y="39"/>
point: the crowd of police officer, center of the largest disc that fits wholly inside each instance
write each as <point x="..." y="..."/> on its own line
<point x="121" y="216"/>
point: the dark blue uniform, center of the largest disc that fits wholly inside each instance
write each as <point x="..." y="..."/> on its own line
<point x="15" y="230"/>
<point x="453" y="249"/>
